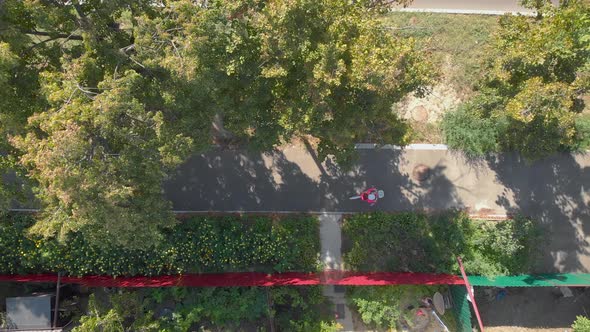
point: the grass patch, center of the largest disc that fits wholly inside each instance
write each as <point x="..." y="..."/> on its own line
<point x="457" y="42"/>
<point x="419" y="242"/>
<point x="198" y="244"/>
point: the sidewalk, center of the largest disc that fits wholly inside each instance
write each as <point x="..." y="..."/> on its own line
<point x="555" y="191"/>
<point x="331" y="258"/>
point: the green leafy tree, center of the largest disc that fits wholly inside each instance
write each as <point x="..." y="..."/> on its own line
<point x="378" y="306"/>
<point x="115" y="94"/>
<point x="43" y="35"/>
<point x="225" y="308"/>
<point x="277" y="69"/>
<point x="121" y="313"/>
<point x="99" y="137"/>
<point x="8" y="63"/>
<point x="296" y="309"/>
<point x="99" y="157"/>
<point x="537" y="74"/>
<point x="18" y="99"/>
<point x="540" y="118"/>
<point x="538" y="5"/>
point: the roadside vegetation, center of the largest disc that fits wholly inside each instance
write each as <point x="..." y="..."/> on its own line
<point x="582" y="324"/>
<point x="182" y="309"/>
<point x="418" y="242"/>
<point x="522" y="81"/>
<point x="194" y="245"/>
<point x="99" y="103"/>
<point x="531" y="99"/>
<point x="390" y="307"/>
<point x="456" y="44"/>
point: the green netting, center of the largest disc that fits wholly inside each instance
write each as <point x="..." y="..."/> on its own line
<point x="537" y="280"/>
<point x="461" y="308"/>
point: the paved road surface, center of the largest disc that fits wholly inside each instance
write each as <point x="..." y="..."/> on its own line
<point x="555" y="191"/>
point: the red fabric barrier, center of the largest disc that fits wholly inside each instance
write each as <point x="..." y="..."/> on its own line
<point x="388" y="278"/>
<point x="250" y="279"/>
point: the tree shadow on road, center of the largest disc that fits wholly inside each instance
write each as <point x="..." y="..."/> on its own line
<point x="226" y="180"/>
<point x="438" y="193"/>
<point x="403" y="191"/>
<point x="554" y="192"/>
<point x="230" y="180"/>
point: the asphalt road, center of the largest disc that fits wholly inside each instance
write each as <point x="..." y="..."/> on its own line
<point x="555" y="191"/>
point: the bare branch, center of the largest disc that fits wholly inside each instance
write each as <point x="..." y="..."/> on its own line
<point x="125" y="49"/>
<point x="88" y="94"/>
<point x="54" y="35"/>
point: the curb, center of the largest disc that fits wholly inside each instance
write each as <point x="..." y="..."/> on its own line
<point x="475" y="216"/>
<point x="179" y="213"/>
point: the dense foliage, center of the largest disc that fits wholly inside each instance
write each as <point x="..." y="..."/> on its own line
<point x="325" y="68"/>
<point x="583" y="131"/>
<point x="221" y="309"/>
<point x="200" y="244"/>
<point x="378" y="306"/>
<point x="388" y="307"/>
<point x="473" y="135"/>
<point x="530" y="99"/>
<point x="423" y="243"/>
<point x="582" y="324"/>
<point x="99" y="100"/>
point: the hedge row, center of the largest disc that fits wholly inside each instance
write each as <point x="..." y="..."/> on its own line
<point x="418" y="242"/>
<point x="199" y="244"/>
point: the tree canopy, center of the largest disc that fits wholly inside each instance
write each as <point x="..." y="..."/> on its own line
<point x="99" y="100"/>
<point x="276" y="69"/>
<point x="539" y="70"/>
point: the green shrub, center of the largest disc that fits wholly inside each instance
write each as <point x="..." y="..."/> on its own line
<point x="465" y="131"/>
<point x="200" y="244"/>
<point x="383" y="307"/>
<point x="583" y="132"/>
<point x="582" y="324"/>
<point x="223" y="307"/>
<point x="421" y="243"/>
<point x="377" y="306"/>
<point x="209" y="309"/>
